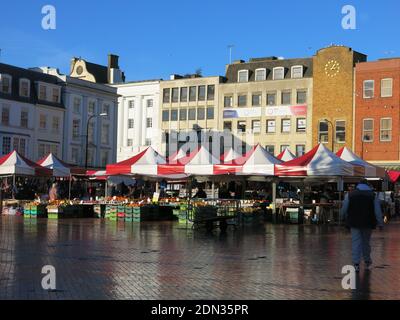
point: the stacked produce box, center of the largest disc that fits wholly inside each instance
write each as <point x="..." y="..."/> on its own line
<point x="54" y="211"/>
<point x="34" y="210"/>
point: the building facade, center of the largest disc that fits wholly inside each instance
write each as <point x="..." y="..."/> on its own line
<point x="32" y="113"/>
<point x="377" y="112"/>
<point x="138" y="117"/>
<point x="268" y="101"/>
<point x="188" y="111"/>
<point x="333" y="96"/>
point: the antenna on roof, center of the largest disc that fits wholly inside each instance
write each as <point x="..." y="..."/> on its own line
<point x="230" y="46"/>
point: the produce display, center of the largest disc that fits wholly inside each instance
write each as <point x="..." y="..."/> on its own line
<point x="34" y="210"/>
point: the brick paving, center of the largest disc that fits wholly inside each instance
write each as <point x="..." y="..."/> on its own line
<point x="97" y="259"/>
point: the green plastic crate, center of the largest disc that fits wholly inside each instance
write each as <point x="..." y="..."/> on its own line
<point x="52" y="215"/>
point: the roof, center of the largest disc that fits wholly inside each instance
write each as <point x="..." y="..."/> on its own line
<point x="18" y="73"/>
<point x="98" y="71"/>
<point x="269" y="64"/>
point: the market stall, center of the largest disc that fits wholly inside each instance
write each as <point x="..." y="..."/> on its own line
<point x="286" y="155"/>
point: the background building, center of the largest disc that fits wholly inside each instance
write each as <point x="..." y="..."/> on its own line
<point x="268" y="101"/>
<point x="377" y="112"/>
<point x="333" y="85"/>
<point x="138" y="117"/>
<point x="32" y="112"/>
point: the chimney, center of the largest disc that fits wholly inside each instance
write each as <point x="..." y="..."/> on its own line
<point x="113" y="61"/>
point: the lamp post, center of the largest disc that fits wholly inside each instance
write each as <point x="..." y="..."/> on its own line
<point x="87" y="134"/>
<point x="330" y="122"/>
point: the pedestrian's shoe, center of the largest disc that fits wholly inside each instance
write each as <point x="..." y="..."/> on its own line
<point x="357" y="267"/>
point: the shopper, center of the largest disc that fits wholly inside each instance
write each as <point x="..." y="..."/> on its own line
<point x="200" y="194"/>
<point x="362" y="213"/>
<point x="53" y="192"/>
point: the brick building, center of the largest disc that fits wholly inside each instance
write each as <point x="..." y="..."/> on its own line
<point x="377" y="113"/>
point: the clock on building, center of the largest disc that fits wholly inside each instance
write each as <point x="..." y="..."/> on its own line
<point x="79" y="70"/>
<point x="332" y="68"/>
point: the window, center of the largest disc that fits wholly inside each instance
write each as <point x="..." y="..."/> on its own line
<point x="210" y="92"/>
<point x="56" y="95"/>
<point x="285" y="125"/>
<point x="174" y="115"/>
<point x="131" y="123"/>
<point x="147" y="142"/>
<point x="300" y="150"/>
<point x="284" y="147"/>
<point x="106" y="109"/>
<point x="301" y="125"/>
<point x="242" y="100"/>
<point x="271" y="99"/>
<point x="201" y="114"/>
<point x="228" y="101"/>
<point x="56" y="124"/>
<point x="92" y="107"/>
<point x="243" y="76"/>
<point x="192" y="114"/>
<point x="210" y="113"/>
<point x="301" y="96"/>
<point x="386" y="87"/>
<point x="91" y="132"/>
<point x="42" y="92"/>
<point x="131" y="104"/>
<point x="386" y="129"/>
<point x="202" y="93"/>
<point x="278" y="73"/>
<point x="149" y="122"/>
<point x="261" y="74"/>
<point x="77" y="105"/>
<point x="368" y="89"/>
<point x="130" y="142"/>
<point x="323" y="132"/>
<point x="271" y="126"/>
<point x="241" y="126"/>
<point x="24" y="119"/>
<point x="76" y="124"/>
<point x="175" y="94"/>
<point x="256" y="100"/>
<point x="74" y="155"/>
<point x="42" y="121"/>
<point x="184" y="94"/>
<point x="166" y="95"/>
<point x="165" y="115"/>
<point x="297" y="72"/>
<point x="105" y="133"/>
<point x="5" y="115"/>
<point x="104" y="158"/>
<point x="368" y="130"/>
<point x="5" y="83"/>
<point x="192" y="94"/>
<point x="183" y="114"/>
<point x="44" y="149"/>
<point x="270" y="149"/>
<point x="286" y="98"/>
<point x="228" y="126"/>
<point x="256" y="126"/>
<point x="6" y="145"/>
<point x="340" y="131"/>
<point x="19" y="145"/>
<point x="149" y="103"/>
<point x="24" y="88"/>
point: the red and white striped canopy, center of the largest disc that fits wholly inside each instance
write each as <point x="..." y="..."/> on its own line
<point x="369" y="169"/>
<point x="260" y="162"/>
<point x="318" y="162"/>
<point x="202" y="163"/>
<point x="143" y="163"/>
<point x="286" y="155"/>
<point x="59" y="167"/>
<point x="16" y="164"/>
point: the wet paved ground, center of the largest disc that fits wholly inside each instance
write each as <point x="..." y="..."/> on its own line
<point x="96" y="259"/>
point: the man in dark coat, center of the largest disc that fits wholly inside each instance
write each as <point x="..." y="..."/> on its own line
<point x="362" y="212"/>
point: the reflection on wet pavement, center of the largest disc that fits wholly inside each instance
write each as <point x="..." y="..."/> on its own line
<point x="97" y="259"/>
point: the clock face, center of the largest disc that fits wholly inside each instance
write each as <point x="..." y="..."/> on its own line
<point x="79" y="70"/>
<point x="332" y="68"/>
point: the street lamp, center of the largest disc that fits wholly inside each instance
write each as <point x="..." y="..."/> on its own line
<point x="330" y="122"/>
<point x="87" y="134"/>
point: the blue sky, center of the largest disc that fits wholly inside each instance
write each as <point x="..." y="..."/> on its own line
<point x="157" y="38"/>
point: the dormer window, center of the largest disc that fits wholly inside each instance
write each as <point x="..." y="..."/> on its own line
<point x="56" y="95"/>
<point x="278" y="73"/>
<point x="261" y="74"/>
<point x="297" y="72"/>
<point x="5" y="83"/>
<point x="42" y="92"/>
<point x="243" y="76"/>
<point x="24" y="86"/>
